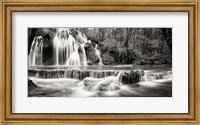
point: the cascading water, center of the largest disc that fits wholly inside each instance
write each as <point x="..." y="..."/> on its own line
<point x="77" y="58"/>
<point x="80" y="83"/>
<point x="125" y="77"/>
<point x="84" y="58"/>
<point x="64" y="45"/>
<point x="74" y="59"/>
<point x="70" y="84"/>
<point x="150" y="76"/>
<point x="35" y="56"/>
<point x="67" y="50"/>
<point x="70" y="51"/>
<point x="98" y="54"/>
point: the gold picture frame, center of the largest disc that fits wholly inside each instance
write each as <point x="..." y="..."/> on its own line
<point x="9" y="6"/>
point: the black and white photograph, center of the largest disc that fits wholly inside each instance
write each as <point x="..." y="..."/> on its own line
<point x="99" y="62"/>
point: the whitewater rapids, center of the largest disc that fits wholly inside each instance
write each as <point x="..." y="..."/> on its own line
<point x="99" y="87"/>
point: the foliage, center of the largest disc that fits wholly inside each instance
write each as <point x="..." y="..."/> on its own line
<point x="133" y="45"/>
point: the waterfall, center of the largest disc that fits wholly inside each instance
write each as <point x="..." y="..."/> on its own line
<point x="64" y="45"/>
<point x="124" y="77"/>
<point x="70" y="51"/>
<point x="74" y="59"/>
<point x="36" y="56"/>
<point x="77" y="58"/>
<point x="67" y="50"/>
<point x="84" y="58"/>
<point x="98" y="54"/>
<point x="76" y="69"/>
<point x="72" y="73"/>
<point x="156" y="75"/>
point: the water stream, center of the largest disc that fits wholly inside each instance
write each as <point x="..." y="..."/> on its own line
<point x="71" y="75"/>
<point x="77" y="83"/>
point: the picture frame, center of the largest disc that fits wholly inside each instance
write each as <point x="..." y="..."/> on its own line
<point x="9" y="6"/>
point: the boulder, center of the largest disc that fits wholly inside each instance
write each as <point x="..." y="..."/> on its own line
<point x="30" y="83"/>
<point x="92" y="58"/>
<point x="131" y="77"/>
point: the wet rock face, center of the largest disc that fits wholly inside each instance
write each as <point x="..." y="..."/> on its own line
<point x="81" y="38"/>
<point x="92" y="58"/>
<point x="131" y="77"/>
